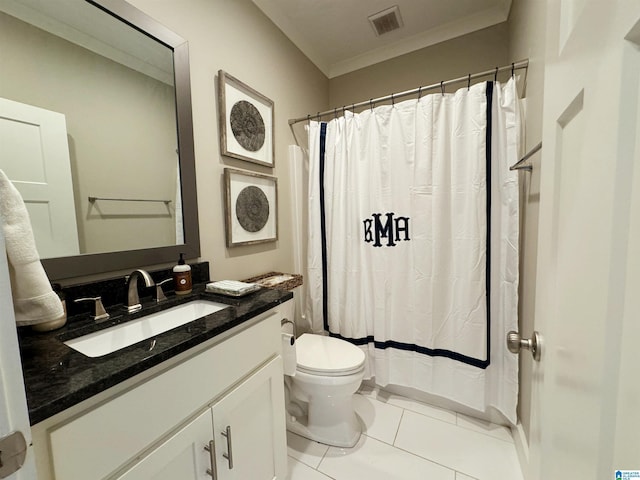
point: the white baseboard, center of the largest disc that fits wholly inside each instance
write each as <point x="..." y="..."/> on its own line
<point x="522" y="449"/>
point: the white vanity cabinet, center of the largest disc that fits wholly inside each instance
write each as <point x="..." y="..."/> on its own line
<point x="245" y="439"/>
<point x="156" y="425"/>
<point x="246" y="425"/>
<point x="182" y="456"/>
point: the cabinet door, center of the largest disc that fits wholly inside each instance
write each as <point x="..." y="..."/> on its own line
<point x="182" y="456"/>
<point x="249" y="428"/>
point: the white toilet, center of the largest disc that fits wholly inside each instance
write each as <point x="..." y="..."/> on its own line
<point x="320" y="394"/>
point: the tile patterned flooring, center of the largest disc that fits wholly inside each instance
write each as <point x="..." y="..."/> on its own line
<point x="407" y="440"/>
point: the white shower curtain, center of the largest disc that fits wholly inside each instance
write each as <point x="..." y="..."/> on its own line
<point x="413" y="241"/>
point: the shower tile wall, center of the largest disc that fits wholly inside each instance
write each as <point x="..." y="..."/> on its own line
<point x="407" y="440"/>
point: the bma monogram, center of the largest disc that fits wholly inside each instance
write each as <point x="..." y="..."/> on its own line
<point x="392" y="229"/>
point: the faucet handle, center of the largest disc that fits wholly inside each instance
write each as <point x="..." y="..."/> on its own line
<point x="160" y="296"/>
<point x="99" y="312"/>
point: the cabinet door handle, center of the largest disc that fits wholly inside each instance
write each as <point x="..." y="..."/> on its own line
<point x="229" y="455"/>
<point x="211" y="448"/>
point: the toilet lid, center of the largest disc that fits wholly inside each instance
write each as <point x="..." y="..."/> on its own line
<point x="327" y="355"/>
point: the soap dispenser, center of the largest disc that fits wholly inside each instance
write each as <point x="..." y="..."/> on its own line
<point x="182" y="277"/>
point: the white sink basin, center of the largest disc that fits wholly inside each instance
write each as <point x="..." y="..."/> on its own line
<point x="114" y="338"/>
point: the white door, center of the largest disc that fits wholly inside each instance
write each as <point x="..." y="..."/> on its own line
<point x="34" y="154"/>
<point x="249" y="428"/>
<point x="182" y="457"/>
<point x="588" y="301"/>
<point x="13" y="404"/>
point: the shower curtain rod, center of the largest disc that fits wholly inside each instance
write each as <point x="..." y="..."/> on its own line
<point x="471" y="76"/>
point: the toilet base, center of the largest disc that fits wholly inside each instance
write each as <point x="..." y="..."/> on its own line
<point x="347" y="438"/>
<point x="328" y="420"/>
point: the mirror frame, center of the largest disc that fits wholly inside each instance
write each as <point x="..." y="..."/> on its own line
<point x="90" y="264"/>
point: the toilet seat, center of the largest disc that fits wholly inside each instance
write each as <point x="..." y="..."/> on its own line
<point x="328" y="356"/>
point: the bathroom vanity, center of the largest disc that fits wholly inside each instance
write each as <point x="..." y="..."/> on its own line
<point x="204" y="400"/>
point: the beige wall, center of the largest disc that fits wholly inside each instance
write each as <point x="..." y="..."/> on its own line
<point x="233" y="35"/>
<point x="527" y="40"/>
<point x="475" y="52"/>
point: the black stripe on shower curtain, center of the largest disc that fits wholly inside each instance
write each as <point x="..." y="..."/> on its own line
<point x="487" y="148"/>
<point x="400" y="345"/>
<point x="323" y="228"/>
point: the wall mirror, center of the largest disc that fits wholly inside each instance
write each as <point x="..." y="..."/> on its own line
<point x="97" y="134"/>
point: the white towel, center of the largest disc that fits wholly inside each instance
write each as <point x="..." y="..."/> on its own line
<point x="34" y="301"/>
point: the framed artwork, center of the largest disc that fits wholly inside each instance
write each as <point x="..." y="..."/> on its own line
<point x="251" y="207"/>
<point x="246" y="122"/>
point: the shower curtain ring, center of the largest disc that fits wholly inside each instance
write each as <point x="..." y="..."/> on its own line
<point x="318" y="116"/>
<point x="442" y="87"/>
<point x="335" y="112"/>
<point x="513" y="65"/>
<point x="495" y="76"/>
<point x="393" y="101"/>
<point x="371" y="104"/>
<point x="419" y="92"/>
<point x="468" y="81"/>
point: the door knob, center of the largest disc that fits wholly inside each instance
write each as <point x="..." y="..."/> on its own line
<point x="515" y="343"/>
<point x="13" y="451"/>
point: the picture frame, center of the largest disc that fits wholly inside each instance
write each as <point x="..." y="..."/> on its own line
<point x="246" y="122"/>
<point x="251" y="207"/>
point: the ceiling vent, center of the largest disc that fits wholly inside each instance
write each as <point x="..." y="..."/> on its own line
<point x="386" y="21"/>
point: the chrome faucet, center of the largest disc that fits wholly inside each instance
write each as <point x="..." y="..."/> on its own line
<point x="133" y="300"/>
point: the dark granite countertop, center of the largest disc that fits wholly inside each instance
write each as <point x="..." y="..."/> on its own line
<point x="58" y="377"/>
